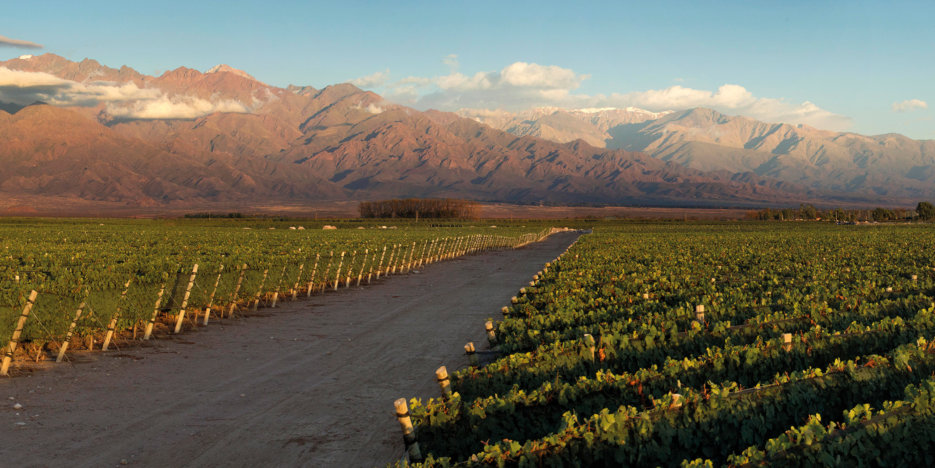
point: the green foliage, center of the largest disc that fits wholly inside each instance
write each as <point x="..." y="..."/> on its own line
<point x="858" y="302"/>
<point x="926" y="211"/>
<point x="94" y="261"/>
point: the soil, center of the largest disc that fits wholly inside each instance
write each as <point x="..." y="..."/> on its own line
<point x="309" y="383"/>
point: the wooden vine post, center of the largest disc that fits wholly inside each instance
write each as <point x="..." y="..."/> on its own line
<point x="233" y="300"/>
<point x="409" y="433"/>
<point x="409" y="262"/>
<point x="787" y="341"/>
<point x="428" y="257"/>
<point x="188" y="293"/>
<point x="439" y="256"/>
<point x="214" y="291"/>
<point x="337" y="276"/>
<point x="491" y="334"/>
<point x="390" y="266"/>
<point x="324" y="276"/>
<point x="471" y="354"/>
<point x="152" y="319"/>
<point x="259" y="291"/>
<point x="71" y="331"/>
<point x="295" y="286"/>
<point x="311" y="280"/>
<point x="402" y="261"/>
<point x="441" y="375"/>
<point x="363" y="266"/>
<point x="350" y="270"/>
<point x="380" y="267"/>
<point x="422" y="255"/>
<point x="373" y="259"/>
<point x="278" y="286"/>
<point x="589" y="342"/>
<point x="14" y="340"/>
<point x="112" y="326"/>
<point x="434" y="249"/>
<point x="699" y="313"/>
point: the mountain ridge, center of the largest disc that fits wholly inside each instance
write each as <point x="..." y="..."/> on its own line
<point x="224" y="136"/>
<point x="888" y="165"/>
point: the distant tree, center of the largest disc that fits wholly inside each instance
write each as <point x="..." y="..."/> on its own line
<point x="882" y="214"/>
<point x="839" y="215"/>
<point x="926" y="211"/>
<point x="807" y="211"/>
<point x="419" y="208"/>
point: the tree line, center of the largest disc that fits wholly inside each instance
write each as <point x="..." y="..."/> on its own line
<point x="924" y="211"/>
<point x="420" y="208"/>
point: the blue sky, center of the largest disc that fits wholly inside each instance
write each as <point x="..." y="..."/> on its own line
<point x="859" y="66"/>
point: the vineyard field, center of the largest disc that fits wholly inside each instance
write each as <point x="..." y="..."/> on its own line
<point x="726" y="344"/>
<point x="93" y="281"/>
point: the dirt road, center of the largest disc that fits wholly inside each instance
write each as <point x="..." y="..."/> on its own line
<point x="310" y="384"/>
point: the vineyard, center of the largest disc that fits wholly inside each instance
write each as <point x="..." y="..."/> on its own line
<point x="82" y="285"/>
<point x="699" y="345"/>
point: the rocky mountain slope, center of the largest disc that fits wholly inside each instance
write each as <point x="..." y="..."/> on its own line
<point x="187" y="136"/>
<point x="884" y="167"/>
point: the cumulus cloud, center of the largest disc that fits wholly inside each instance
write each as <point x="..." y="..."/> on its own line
<point x="372" y="80"/>
<point x="372" y="108"/>
<point x="23" y="87"/>
<point x="517" y="86"/>
<point x="8" y="42"/>
<point x="124" y="100"/>
<point x="521" y="86"/>
<point x="731" y="99"/>
<point x="910" y="105"/>
<point x="181" y="107"/>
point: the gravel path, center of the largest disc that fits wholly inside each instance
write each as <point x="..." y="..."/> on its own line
<point x="310" y="383"/>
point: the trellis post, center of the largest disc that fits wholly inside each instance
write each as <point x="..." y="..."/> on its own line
<point x="188" y="293"/>
<point x="14" y="340"/>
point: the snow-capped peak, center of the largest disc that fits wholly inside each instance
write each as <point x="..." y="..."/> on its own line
<point x="226" y="68"/>
<point x="595" y="110"/>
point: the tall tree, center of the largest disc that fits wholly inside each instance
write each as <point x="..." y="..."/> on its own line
<point x="926" y="211"/>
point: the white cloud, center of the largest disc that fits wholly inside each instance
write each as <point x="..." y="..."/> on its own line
<point x="25" y="79"/>
<point x="522" y="86"/>
<point x="125" y="100"/>
<point x="531" y="75"/>
<point x="373" y="80"/>
<point x="910" y="105"/>
<point x="732" y="99"/>
<point x="451" y="61"/>
<point x="8" y="42"/>
<point x="182" y="107"/>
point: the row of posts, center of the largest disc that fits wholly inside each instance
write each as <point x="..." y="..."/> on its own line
<point x="441" y="374"/>
<point x="400" y="261"/>
<point x="444" y="382"/>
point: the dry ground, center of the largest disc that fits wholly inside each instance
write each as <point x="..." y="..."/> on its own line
<point x="311" y="383"/>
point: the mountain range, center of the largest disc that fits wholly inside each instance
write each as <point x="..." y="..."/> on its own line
<point x="85" y="131"/>
<point x="886" y="167"/>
